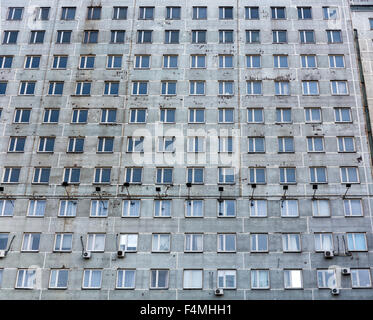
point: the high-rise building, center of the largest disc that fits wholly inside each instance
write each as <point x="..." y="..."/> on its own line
<point x="179" y="150"/>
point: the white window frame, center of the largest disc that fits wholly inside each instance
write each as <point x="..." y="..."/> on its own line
<point x="222" y="204"/>
<point x="285" y="208"/>
<point x="128" y="212"/>
<point x="338" y="84"/>
<point x="6" y="204"/>
<point x="222" y="242"/>
<point x="322" y="238"/>
<point x="92" y="243"/>
<point x="36" y="208"/>
<point x="287" y="242"/>
<point x="28" y="239"/>
<point x="193" y="212"/>
<point x="256" y="206"/>
<point x="122" y="273"/>
<point x="28" y="280"/>
<point x="129" y="175"/>
<point x="188" y="242"/>
<point x="68" y="206"/>
<point x="54" y="279"/>
<point x="96" y="208"/>
<point x="349" y="212"/>
<point x="89" y="272"/>
<point x="355" y="278"/>
<point x="348" y="175"/>
<point x="291" y="284"/>
<point x="257" y="284"/>
<point x="59" y="239"/>
<point x="223" y="274"/>
<point x="157" y="271"/>
<point x="226" y="172"/>
<point x="162" y="205"/>
<point x="342" y="144"/>
<point x="188" y="275"/>
<point x="318" y="205"/>
<point x="128" y="238"/>
<point x="156" y="242"/>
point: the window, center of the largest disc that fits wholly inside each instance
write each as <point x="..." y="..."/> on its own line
<point x="96" y="242"/>
<point x="194" y="208"/>
<point x="286" y="144"/>
<point x="310" y="87"/>
<point x="259" y="279"/>
<point x="199" y="13"/>
<point x="111" y="88"/>
<point x="227" y="279"/>
<point x="193" y="279"/>
<point x="37" y="36"/>
<point x="1" y="276"/>
<point x="313" y="115"/>
<point x="226" y="88"/>
<point x="330" y="13"/>
<point x="164" y="175"/>
<point x="195" y="175"/>
<point x="334" y="36"/>
<point x="226" y="115"/>
<point x="323" y="242"/>
<point x="117" y="36"/>
<point x="72" y="175"/>
<point x="257" y="175"/>
<point x="126" y="279"/>
<point x="75" y="145"/>
<point x="11" y="175"/>
<point x="43" y="13"/>
<point x="128" y="242"/>
<point x="99" y="208"/>
<point x="193" y="242"/>
<point x="68" y="208"/>
<point x="168" y="88"/>
<point x="326" y="278"/>
<point x="226" y="175"/>
<point x="3" y="85"/>
<point x="342" y="115"/>
<point x="308" y="61"/>
<point x="135" y="144"/>
<point x="171" y="36"/>
<point x="4" y="241"/>
<point x="173" y="13"/>
<point x="16" y="144"/>
<point x="63" y="36"/>
<point x="26" y="279"/>
<point x="134" y="175"/>
<point x="92" y="279"/>
<point x="63" y="242"/>
<point x="197" y="61"/>
<point x="162" y="208"/>
<point x="144" y="36"/>
<point x="283" y="115"/>
<point x="27" y="88"/>
<point x="146" y="13"/>
<point x="289" y="208"/>
<point x="282" y="88"/>
<point x="108" y="116"/>
<point x="225" y="13"/>
<point x="307" y="36"/>
<point x="278" y="12"/>
<point x="225" y="61"/>
<point x="225" y="36"/>
<point x="120" y="13"/>
<point x="226" y="208"/>
<point x="280" y="61"/>
<point x="87" y="62"/>
<point x="131" y="208"/>
<point x="170" y="61"/>
<point x="83" y="88"/>
<point x="252" y="13"/>
<point x="59" y="62"/>
<point x="142" y="61"/>
<point x="58" y="279"/>
<point x="41" y="175"/>
<point x="199" y="36"/>
<point x="304" y="13"/>
<point x="138" y="116"/>
<point x="196" y="115"/>
<point x="90" y="36"/>
<point x="31" y="242"/>
<point x="167" y="115"/>
<point x="166" y="144"/>
<point x="10" y="37"/>
<point x="259" y="242"/>
<point x="79" y="116"/>
<point x="360" y="278"/>
<point x="226" y="242"/>
<point x="139" y="88"/>
<point x="158" y="279"/>
<point x="105" y="144"/>
<point x="161" y="242"/>
<point x="197" y="87"/>
<point x="256" y="144"/>
<point x="291" y="242"/>
<point x="102" y="175"/>
<point x="94" y="13"/>
<point x="258" y="208"/>
<point x="6" y="62"/>
<point x="336" y="61"/>
<point x="36" y="208"/>
<point x="320" y="208"/>
<point x="6" y="207"/>
<point x="252" y="36"/>
<point x="352" y="207"/>
<point x="279" y="36"/>
<point x="114" y="61"/>
<point x="254" y="87"/>
<point x="315" y="144"/>
<point x="253" y="61"/>
<point x="15" y="13"/>
<point x="356" y="242"/>
<point x="349" y="175"/>
<point x="68" y="13"/>
<point x="196" y="144"/>
<point x="32" y="62"/>
<point x="55" y="88"/>
<point x="255" y="115"/>
<point x="293" y="279"/>
<point x="346" y="144"/>
<point x="339" y="87"/>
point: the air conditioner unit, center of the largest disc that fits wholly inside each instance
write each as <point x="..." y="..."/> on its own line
<point x="328" y="254"/>
<point x="219" y="292"/>
<point x="346" y="271"/>
<point x="335" y="291"/>
<point x="121" y="253"/>
<point x="86" y="254"/>
<point x="2" y="253"/>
